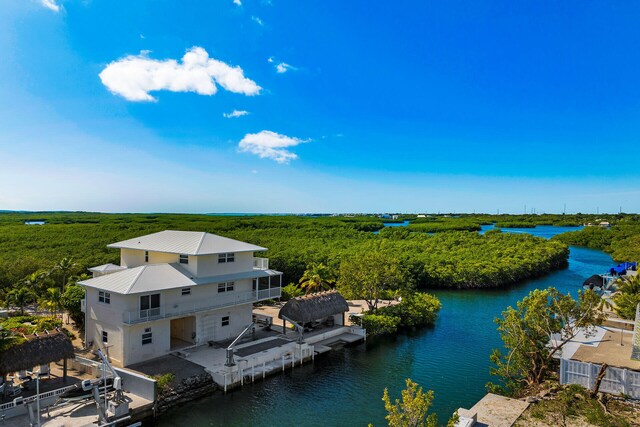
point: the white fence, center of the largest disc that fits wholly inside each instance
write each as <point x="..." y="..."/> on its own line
<point x="19" y="405"/>
<point x="615" y="381"/>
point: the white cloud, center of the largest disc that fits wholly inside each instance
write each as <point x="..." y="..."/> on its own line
<point x="51" y="5"/>
<point x="257" y="20"/>
<point x="237" y="2"/>
<point x="270" y="145"/>
<point x="283" y="67"/>
<point x="235" y="113"/>
<point x="134" y="76"/>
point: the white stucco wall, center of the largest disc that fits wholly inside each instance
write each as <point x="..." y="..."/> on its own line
<point x="209" y="324"/>
<point x="136" y="352"/>
<point x="105" y="317"/>
<point x="200" y="266"/>
<point x="208" y="264"/>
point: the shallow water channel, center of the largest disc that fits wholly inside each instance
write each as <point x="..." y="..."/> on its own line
<point x="344" y="388"/>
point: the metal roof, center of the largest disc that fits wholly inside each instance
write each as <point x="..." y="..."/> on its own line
<point x="186" y="242"/>
<point x="157" y="277"/>
<point x="106" y="268"/>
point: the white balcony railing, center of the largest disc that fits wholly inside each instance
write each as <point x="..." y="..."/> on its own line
<point x="269" y="293"/>
<point x="215" y="302"/>
<point x="261" y="263"/>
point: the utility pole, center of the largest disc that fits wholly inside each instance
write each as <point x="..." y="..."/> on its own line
<point x="38" y="397"/>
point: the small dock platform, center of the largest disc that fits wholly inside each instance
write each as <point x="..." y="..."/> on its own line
<point x="493" y="411"/>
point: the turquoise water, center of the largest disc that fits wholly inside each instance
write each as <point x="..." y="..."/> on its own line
<point x="345" y="387"/>
<point x="396" y="224"/>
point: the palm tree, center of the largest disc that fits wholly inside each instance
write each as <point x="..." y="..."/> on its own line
<point x="20" y="297"/>
<point x="65" y="265"/>
<point x="35" y="280"/>
<point x="317" y="277"/>
<point x="628" y="296"/>
<point x="52" y="299"/>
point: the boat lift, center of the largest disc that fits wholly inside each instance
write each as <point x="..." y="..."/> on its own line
<point x="298" y="327"/>
<point x="115" y="408"/>
<point x="230" y="362"/>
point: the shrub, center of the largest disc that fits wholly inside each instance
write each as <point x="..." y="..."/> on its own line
<point x="68" y="333"/>
<point x="376" y="324"/>
<point x="291" y="291"/>
<point x="419" y="309"/>
<point x="164" y="382"/>
<point x="48" y="323"/>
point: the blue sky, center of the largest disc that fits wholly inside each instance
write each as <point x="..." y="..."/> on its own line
<point x="406" y="106"/>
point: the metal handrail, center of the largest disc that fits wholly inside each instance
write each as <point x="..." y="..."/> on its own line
<point x="59" y="391"/>
<point x="173" y="310"/>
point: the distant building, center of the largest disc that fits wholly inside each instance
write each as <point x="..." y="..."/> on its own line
<point x="174" y="289"/>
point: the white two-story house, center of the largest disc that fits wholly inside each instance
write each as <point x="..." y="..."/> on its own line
<point x="174" y="289"/>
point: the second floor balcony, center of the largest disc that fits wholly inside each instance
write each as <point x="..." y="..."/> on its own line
<point x="165" y="311"/>
<point x="260" y="263"/>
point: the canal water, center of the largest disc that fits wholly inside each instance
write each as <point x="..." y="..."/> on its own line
<point x="344" y="388"/>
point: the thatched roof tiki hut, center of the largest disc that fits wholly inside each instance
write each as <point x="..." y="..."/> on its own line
<point x="37" y="350"/>
<point x="327" y="306"/>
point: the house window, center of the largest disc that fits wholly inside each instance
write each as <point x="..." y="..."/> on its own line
<point x="146" y="256"/>
<point x="105" y="337"/>
<point x="150" y="305"/>
<point x="184" y="259"/>
<point x="225" y="321"/>
<point x="186" y="291"/>
<point x="228" y="257"/>
<point x="147" y="336"/>
<point x="104" y="297"/>
<point x="225" y="287"/>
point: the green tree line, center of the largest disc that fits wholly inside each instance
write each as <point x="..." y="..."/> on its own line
<point x="447" y="259"/>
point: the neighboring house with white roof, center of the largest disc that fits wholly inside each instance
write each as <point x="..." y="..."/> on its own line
<point x="174" y="289"/>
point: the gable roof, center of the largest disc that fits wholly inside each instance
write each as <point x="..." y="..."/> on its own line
<point x="186" y="242"/>
<point x="312" y="307"/>
<point x="157" y="277"/>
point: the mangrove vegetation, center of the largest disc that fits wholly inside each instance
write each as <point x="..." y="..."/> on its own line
<point x="456" y="259"/>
